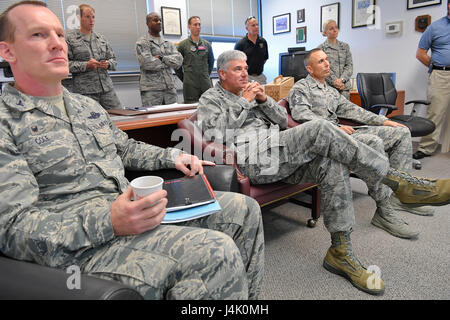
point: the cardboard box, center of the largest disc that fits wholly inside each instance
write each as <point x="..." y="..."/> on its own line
<point x="279" y="88"/>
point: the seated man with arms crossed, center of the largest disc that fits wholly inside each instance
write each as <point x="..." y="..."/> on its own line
<point x="64" y="199"/>
<point x="246" y="119"/>
<point x="312" y="98"/>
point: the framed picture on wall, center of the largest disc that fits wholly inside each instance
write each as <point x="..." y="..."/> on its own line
<point x="300" y="35"/>
<point x="300" y="15"/>
<point x="329" y="12"/>
<point x="281" y="23"/>
<point x="412" y="4"/>
<point x="171" y="21"/>
<point x="363" y="13"/>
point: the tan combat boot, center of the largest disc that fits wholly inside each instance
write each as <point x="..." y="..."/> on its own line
<point x="340" y="260"/>
<point x="418" y="191"/>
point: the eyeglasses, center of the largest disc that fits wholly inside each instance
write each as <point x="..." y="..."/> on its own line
<point x="249" y="18"/>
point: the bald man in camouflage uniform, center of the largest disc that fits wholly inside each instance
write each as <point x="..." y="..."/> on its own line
<point x="90" y="58"/>
<point x="64" y="199"/>
<point x="157" y="58"/>
<point x="312" y="98"/>
<point x="239" y="114"/>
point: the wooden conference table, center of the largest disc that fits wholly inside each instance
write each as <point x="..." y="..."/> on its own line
<point x="154" y="128"/>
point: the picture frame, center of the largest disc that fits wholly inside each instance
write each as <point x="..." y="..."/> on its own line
<point x="300" y="35"/>
<point x="329" y="12"/>
<point x="171" y="21"/>
<point x="413" y="4"/>
<point x="363" y="13"/>
<point x="300" y="15"/>
<point x="281" y="23"/>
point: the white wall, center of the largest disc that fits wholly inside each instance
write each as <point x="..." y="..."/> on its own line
<point x="372" y="49"/>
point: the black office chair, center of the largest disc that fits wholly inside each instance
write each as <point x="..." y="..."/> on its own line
<point x="378" y="94"/>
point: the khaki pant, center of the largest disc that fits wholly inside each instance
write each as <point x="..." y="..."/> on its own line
<point x="438" y="112"/>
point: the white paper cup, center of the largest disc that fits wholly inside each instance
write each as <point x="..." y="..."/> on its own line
<point x="143" y="186"/>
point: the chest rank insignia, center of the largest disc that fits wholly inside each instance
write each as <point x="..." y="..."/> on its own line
<point x="34" y="129"/>
<point x="94" y="115"/>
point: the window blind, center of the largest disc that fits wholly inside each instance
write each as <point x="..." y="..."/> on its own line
<point x="120" y="22"/>
<point x="223" y="17"/>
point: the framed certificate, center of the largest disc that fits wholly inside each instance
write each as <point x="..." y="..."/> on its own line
<point x="329" y="12"/>
<point x="171" y="21"/>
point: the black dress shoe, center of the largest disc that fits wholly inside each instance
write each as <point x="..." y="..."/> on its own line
<point x="420" y="155"/>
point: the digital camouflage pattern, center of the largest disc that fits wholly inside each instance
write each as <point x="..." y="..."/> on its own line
<point x="190" y="260"/>
<point x="309" y="99"/>
<point x="58" y="179"/>
<point x="95" y="83"/>
<point x="156" y="74"/>
<point x="341" y="64"/>
<point x="316" y="151"/>
<point x="220" y="110"/>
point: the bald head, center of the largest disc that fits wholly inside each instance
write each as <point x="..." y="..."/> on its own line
<point x="153" y="20"/>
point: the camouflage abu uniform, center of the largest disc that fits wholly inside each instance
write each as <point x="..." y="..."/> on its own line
<point x="157" y="79"/>
<point x="341" y="64"/>
<point x="316" y="151"/>
<point x="309" y="99"/>
<point x="198" y="62"/>
<point x="59" y="175"/>
<point x="96" y="84"/>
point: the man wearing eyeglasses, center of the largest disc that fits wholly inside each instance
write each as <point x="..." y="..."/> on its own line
<point x="255" y="47"/>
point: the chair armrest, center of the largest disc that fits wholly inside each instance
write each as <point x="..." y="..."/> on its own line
<point x="384" y="109"/>
<point x="425" y="102"/>
<point x="222" y="177"/>
<point x="26" y="280"/>
<point x="347" y="122"/>
<point x="244" y="185"/>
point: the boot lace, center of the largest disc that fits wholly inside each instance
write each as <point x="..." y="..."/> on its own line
<point x="420" y="182"/>
<point x="352" y="257"/>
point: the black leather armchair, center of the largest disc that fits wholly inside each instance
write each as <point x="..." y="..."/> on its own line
<point x="378" y="94"/>
<point x="30" y="281"/>
<point x="20" y="280"/>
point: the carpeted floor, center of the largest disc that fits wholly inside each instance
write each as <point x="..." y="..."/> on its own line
<point x="411" y="269"/>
